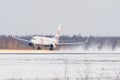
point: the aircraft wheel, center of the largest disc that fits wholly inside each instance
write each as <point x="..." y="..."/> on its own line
<point x="38" y="48"/>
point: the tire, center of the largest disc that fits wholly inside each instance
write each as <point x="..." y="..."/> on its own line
<point x="38" y="48"/>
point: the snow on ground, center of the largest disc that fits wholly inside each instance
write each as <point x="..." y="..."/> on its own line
<point x="60" y="66"/>
<point x="81" y="49"/>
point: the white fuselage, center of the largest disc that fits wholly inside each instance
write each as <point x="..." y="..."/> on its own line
<point x="44" y="41"/>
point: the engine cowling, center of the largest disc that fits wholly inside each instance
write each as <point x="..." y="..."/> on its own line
<point x="31" y="44"/>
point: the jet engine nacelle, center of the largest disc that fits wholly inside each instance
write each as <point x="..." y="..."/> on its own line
<point x="31" y="44"/>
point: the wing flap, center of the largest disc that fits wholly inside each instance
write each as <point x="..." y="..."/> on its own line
<point x="74" y="43"/>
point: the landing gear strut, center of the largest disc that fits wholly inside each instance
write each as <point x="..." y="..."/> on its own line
<point x="38" y="48"/>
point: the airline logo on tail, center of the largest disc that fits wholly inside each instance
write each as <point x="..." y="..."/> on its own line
<point x="58" y="33"/>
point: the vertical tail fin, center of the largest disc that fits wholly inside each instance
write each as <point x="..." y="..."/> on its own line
<point x="58" y="33"/>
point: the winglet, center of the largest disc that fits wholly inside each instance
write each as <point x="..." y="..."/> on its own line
<point x="12" y="36"/>
<point x="87" y="40"/>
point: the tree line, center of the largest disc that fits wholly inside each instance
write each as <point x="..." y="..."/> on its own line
<point x="7" y="42"/>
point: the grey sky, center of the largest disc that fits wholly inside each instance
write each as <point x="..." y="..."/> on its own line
<point x="88" y="17"/>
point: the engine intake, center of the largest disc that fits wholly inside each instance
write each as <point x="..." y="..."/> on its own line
<point x="30" y="44"/>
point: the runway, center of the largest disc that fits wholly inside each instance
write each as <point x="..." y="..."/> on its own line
<point x="27" y="51"/>
<point x="68" y="51"/>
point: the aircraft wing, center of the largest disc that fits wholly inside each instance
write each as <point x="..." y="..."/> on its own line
<point x="20" y="39"/>
<point x="74" y="43"/>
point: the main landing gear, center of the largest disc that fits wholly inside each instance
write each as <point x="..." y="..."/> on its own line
<point x="39" y="47"/>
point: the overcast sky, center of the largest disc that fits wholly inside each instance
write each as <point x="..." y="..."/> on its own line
<point x="87" y="17"/>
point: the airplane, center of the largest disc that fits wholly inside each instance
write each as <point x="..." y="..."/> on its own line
<point x="38" y="41"/>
